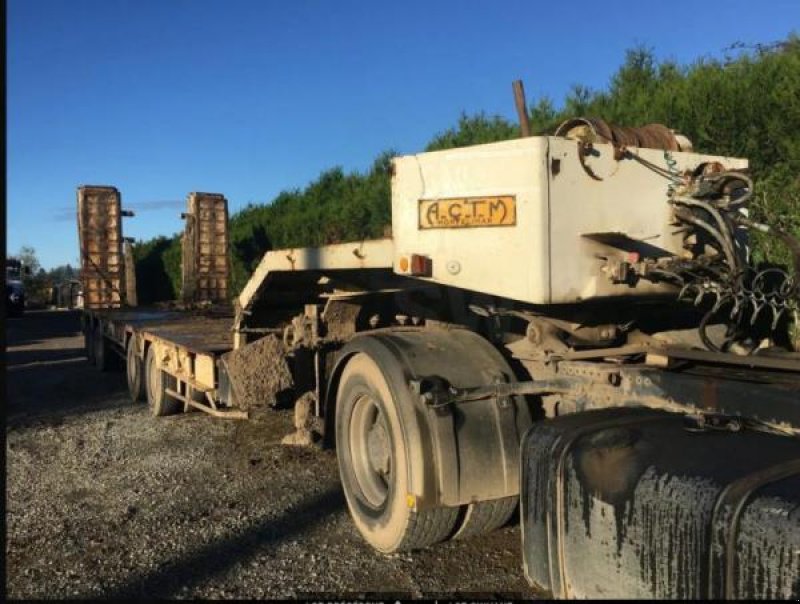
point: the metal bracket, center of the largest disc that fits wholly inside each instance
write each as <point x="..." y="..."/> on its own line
<point x="434" y="392"/>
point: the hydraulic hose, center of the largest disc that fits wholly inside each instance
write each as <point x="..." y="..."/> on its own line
<point x="724" y="228"/>
<point x="730" y="256"/>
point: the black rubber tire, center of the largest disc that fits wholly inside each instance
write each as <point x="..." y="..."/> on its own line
<point x="382" y="514"/>
<point x="104" y="357"/>
<point x="88" y="342"/>
<point x="485" y="516"/>
<point x="134" y="370"/>
<point x="158" y="381"/>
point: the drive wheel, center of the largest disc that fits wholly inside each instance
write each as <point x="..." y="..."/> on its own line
<point x="485" y="516"/>
<point x="373" y="466"/>
<point x="157" y="383"/>
<point x="135" y="371"/>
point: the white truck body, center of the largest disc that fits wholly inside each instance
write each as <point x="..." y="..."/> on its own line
<point x="545" y="206"/>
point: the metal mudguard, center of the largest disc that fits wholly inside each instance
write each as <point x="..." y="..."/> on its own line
<point x="629" y="503"/>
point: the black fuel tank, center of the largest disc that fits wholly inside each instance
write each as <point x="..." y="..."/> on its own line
<point x="630" y="503"/>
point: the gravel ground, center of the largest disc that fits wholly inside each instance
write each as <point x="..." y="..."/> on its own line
<point x="104" y="501"/>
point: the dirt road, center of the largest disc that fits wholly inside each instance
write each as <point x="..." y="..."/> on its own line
<point x="104" y="501"/>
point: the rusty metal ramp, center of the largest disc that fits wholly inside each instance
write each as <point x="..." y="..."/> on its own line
<point x="206" y="263"/>
<point x="100" y="232"/>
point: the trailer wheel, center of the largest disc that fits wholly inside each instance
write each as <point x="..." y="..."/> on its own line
<point x="371" y="451"/>
<point x="135" y="370"/>
<point x="88" y="341"/>
<point x="485" y="516"/>
<point x="104" y="357"/>
<point x="158" y="381"/>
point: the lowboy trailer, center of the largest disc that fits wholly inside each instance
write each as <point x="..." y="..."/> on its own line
<point x="569" y="322"/>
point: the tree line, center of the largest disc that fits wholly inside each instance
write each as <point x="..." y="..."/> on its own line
<point x="744" y="104"/>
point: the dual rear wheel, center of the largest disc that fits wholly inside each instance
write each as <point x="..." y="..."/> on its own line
<point x="373" y="461"/>
<point x="99" y="351"/>
<point x="147" y="381"/>
<point x="134" y="368"/>
<point x="158" y="382"/>
<point x="97" y="347"/>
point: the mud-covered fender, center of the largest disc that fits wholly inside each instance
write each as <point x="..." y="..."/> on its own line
<point x="459" y="453"/>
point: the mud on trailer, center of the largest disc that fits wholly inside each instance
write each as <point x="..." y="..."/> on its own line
<point x="572" y="320"/>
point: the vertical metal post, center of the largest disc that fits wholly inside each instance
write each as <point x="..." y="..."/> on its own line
<point x="522" y="110"/>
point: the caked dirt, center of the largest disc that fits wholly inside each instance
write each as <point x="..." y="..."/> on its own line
<point x="258" y="372"/>
<point x="103" y="500"/>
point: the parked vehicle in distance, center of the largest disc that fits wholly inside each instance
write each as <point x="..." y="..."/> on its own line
<point x="15" y="290"/>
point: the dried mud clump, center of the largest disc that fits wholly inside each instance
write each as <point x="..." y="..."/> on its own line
<point x="308" y="427"/>
<point x="258" y="371"/>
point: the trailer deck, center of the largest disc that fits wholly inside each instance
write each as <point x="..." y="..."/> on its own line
<point x="200" y="332"/>
<point x="186" y="344"/>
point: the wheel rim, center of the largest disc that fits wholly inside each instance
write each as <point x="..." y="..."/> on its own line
<point x="371" y="450"/>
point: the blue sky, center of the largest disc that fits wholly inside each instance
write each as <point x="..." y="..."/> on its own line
<point x="246" y="98"/>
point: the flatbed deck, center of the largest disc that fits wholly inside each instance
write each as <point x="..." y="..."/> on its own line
<point x="186" y="345"/>
<point x="199" y="331"/>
